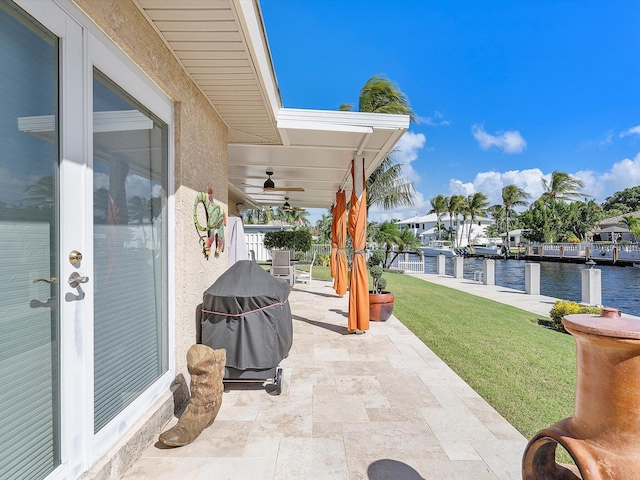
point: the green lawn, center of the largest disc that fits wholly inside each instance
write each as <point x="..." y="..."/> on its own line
<point x="526" y="372"/>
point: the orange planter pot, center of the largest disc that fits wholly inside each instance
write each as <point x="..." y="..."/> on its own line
<point x="603" y="436"/>
<point x="380" y="306"/>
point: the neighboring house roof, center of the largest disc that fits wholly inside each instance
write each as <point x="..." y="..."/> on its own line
<point x="612" y="229"/>
<point x="222" y="45"/>
<point x="617" y="220"/>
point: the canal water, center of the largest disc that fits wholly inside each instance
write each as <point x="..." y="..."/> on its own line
<point x="620" y="285"/>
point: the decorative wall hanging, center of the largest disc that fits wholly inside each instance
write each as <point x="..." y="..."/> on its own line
<point x="214" y="228"/>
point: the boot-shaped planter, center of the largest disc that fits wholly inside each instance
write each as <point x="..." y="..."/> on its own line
<point x="206" y="367"/>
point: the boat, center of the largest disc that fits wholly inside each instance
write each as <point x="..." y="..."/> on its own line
<point x="491" y="250"/>
<point x="438" y="247"/>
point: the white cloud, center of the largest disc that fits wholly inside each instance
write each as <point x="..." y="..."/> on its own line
<point x="631" y="131"/>
<point x="608" y="139"/>
<point x="509" y="142"/>
<point x="491" y="184"/>
<point x="436" y="120"/>
<point x="407" y="150"/>
<point x="623" y="174"/>
<point x="457" y="187"/>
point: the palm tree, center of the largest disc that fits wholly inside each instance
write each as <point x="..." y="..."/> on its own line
<point x="323" y="228"/>
<point x="562" y="186"/>
<point x="386" y="187"/>
<point x="438" y="206"/>
<point x="405" y="241"/>
<point x="512" y="196"/>
<point x="464" y="212"/>
<point x="386" y="234"/>
<point x="632" y="223"/>
<point x="381" y="95"/>
<point x="453" y="207"/>
<point x="497" y="214"/>
<point x="477" y="204"/>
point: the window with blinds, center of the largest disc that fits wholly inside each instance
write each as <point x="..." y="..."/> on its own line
<point x="130" y="249"/>
<point x="29" y="290"/>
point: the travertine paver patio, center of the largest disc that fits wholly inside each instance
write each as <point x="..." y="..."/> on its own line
<point x="372" y="406"/>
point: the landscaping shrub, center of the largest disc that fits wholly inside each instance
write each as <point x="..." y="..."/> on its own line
<point x="375" y="270"/>
<point x="562" y="308"/>
<point x="324" y="260"/>
<point x="298" y="240"/>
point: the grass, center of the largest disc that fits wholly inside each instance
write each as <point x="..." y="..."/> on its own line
<point x="526" y="372"/>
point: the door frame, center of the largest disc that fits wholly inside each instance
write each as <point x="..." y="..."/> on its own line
<point x="84" y="45"/>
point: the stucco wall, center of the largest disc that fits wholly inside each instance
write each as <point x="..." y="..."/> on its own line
<point x="200" y="156"/>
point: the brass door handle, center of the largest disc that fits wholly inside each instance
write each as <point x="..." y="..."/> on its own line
<point x="75" y="280"/>
<point x="49" y="281"/>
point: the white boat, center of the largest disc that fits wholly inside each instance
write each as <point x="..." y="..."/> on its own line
<point x="491" y="250"/>
<point x="437" y="247"/>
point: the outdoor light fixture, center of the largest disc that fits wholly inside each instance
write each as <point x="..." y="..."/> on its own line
<point x="590" y="263"/>
<point x="286" y="205"/>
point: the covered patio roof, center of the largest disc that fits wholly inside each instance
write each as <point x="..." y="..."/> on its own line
<point x="223" y="47"/>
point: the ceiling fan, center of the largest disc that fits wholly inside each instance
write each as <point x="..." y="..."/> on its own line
<point x="269" y="186"/>
<point x="288" y="208"/>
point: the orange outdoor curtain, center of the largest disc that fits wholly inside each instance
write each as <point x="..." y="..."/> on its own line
<point x="359" y="282"/>
<point x="334" y="241"/>
<point x="340" y="280"/>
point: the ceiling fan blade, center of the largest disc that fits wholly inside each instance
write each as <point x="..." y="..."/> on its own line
<point x="282" y="189"/>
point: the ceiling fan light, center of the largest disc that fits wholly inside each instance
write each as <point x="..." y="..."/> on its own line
<point x="269" y="183"/>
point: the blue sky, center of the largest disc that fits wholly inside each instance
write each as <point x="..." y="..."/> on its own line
<point x="505" y="91"/>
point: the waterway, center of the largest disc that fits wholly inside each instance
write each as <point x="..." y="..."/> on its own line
<point x="620" y="285"/>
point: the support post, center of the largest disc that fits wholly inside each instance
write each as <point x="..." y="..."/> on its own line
<point x="489" y="271"/>
<point x="458" y="267"/>
<point x="592" y="286"/>
<point x="532" y="278"/>
<point x="440" y="264"/>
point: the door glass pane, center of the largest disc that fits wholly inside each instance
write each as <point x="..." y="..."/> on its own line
<point x="29" y="363"/>
<point x="130" y="248"/>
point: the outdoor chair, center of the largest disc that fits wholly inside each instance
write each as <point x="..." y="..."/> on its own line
<point x="281" y="266"/>
<point x="304" y="276"/>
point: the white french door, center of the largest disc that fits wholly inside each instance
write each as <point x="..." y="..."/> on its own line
<point x="84" y="215"/>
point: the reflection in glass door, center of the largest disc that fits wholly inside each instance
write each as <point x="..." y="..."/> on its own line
<point x="130" y="249"/>
<point x="29" y="232"/>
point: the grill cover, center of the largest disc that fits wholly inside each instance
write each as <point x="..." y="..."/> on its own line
<point x="246" y="311"/>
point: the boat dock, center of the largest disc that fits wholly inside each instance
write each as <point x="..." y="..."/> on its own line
<point x="606" y="253"/>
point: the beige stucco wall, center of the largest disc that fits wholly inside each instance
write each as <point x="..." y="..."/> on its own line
<point x="200" y="157"/>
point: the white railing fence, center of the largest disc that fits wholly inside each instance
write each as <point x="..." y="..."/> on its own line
<point x="413" y="266"/>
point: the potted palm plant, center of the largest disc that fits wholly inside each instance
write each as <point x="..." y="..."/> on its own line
<point x="380" y="300"/>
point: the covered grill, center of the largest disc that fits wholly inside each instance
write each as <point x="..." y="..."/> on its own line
<point x="246" y="311"/>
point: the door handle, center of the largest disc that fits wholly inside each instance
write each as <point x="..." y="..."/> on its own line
<point x="75" y="279"/>
<point x="49" y="281"/>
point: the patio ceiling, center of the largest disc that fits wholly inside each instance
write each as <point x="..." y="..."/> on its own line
<point x="222" y="46"/>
